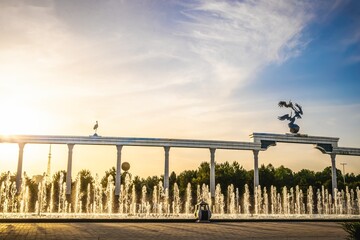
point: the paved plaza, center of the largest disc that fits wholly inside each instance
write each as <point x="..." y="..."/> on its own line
<point x="214" y="230"/>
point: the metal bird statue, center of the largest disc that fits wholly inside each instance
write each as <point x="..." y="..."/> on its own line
<point x="294" y="128"/>
<point x="95" y="128"/>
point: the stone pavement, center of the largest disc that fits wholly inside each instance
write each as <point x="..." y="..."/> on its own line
<point x="214" y="230"/>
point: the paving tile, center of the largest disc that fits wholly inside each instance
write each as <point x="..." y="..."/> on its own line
<point x="208" y="231"/>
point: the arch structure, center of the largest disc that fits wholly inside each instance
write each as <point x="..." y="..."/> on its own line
<point x="261" y="142"/>
<point x="327" y="145"/>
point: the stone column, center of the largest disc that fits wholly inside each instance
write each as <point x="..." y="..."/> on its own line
<point x="19" y="167"/>
<point x="256" y="168"/>
<point x="166" y="172"/>
<point x="69" y="167"/>
<point x="333" y="172"/>
<point x="212" y="173"/>
<point x="118" y="170"/>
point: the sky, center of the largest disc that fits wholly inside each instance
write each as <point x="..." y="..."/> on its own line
<point x="198" y="69"/>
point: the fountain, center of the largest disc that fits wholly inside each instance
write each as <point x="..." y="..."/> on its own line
<point x="97" y="201"/>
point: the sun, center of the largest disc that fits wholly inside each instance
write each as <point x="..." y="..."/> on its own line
<point x="20" y="118"/>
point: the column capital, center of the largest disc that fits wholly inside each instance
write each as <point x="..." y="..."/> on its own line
<point x="71" y="146"/>
<point x="119" y="147"/>
<point x="212" y="150"/>
<point x="21" y="145"/>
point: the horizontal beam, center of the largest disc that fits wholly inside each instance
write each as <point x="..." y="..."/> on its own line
<point x="327" y="145"/>
<point x="347" y="151"/>
<point x="129" y="141"/>
<point x="294" y="138"/>
<point x="261" y="141"/>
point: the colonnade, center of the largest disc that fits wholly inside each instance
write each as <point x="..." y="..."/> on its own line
<point x="261" y="142"/>
<point x="118" y="169"/>
<point x="166" y="169"/>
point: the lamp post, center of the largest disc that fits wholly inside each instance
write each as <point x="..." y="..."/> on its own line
<point x="343" y="164"/>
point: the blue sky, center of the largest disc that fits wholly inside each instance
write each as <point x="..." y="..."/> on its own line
<point x="328" y="67"/>
<point x="178" y="69"/>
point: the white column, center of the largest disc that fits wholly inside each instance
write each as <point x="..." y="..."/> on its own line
<point x="212" y="172"/>
<point x="333" y="172"/>
<point x="69" y="167"/>
<point x="256" y="168"/>
<point x="166" y="172"/>
<point x="19" y="167"/>
<point x="118" y="170"/>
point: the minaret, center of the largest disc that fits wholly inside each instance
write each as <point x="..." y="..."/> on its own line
<point x="48" y="167"/>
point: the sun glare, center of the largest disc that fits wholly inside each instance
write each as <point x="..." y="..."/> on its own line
<point x="20" y="119"/>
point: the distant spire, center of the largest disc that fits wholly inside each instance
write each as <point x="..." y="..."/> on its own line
<point x="48" y="166"/>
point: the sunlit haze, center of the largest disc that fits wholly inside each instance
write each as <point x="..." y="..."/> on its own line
<point x="211" y="70"/>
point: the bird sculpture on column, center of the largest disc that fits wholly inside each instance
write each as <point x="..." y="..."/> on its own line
<point x="294" y="128"/>
<point x="95" y="128"/>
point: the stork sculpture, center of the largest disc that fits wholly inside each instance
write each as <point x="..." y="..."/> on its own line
<point x="294" y="128"/>
<point x="95" y="128"/>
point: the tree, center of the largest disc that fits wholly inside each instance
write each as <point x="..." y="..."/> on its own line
<point x="227" y="174"/>
<point x="172" y="180"/>
<point x="150" y="183"/>
<point x="86" y="179"/>
<point x="304" y="178"/>
<point x="57" y="184"/>
<point x="267" y="176"/>
<point x="203" y="174"/>
<point x="33" y="191"/>
<point x="284" y="176"/>
<point x="104" y="180"/>
<point x="322" y="178"/>
<point x="138" y="183"/>
<point x="352" y="181"/>
<point x="185" y="177"/>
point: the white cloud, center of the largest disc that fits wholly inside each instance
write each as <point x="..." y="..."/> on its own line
<point x="238" y="38"/>
<point x="168" y="55"/>
<point x="137" y="56"/>
<point x="214" y="46"/>
<point x="144" y="68"/>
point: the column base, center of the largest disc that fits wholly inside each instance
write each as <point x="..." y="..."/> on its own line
<point x="116" y="204"/>
<point x="68" y="198"/>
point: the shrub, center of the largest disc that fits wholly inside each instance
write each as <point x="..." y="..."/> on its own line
<point x="353" y="229"/>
